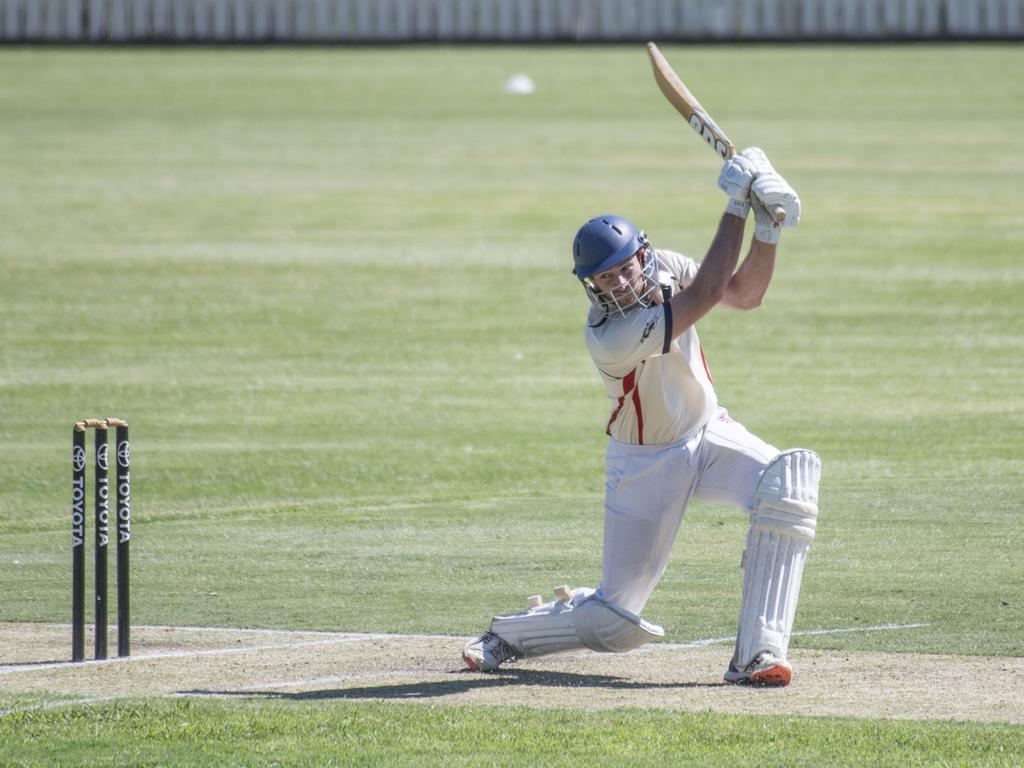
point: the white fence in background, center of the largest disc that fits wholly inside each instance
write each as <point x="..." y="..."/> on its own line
<point x="356" y="21"/>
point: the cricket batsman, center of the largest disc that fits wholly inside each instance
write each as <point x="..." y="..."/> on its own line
<point x="669" y="440"/>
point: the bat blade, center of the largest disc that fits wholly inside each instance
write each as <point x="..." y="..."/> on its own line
<point x="686" y="104"/>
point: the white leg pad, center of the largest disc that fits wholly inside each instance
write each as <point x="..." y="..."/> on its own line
<point x="582" y="621"/>
<point x="610" y="629"/>
<point x="782" y="526"/>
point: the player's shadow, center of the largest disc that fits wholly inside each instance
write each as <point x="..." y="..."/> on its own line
<point x="462" y="682"/>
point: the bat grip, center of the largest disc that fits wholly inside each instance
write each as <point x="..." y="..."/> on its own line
<point x="779" y="214"/>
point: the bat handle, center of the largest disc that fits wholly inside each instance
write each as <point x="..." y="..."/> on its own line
<point x="779" y="214"/>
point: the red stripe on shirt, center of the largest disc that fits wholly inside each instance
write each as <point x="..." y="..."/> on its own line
<point x="704" y="360"/>
<point x="639" y="415"/>
<point x="628" y="383"/>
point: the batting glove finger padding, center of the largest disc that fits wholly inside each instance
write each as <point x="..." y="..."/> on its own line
<point x="760" y="160"/>
<point x="740" y="170"/>
<point x="736" y="176"/>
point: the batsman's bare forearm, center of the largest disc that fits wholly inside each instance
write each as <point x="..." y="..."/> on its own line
<point x="747" y="287"/>
<point x="709" y="286"/>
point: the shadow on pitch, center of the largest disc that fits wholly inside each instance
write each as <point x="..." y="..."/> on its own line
<point x="462" y="681"/>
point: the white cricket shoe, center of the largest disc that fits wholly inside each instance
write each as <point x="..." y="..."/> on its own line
<point x="765" y="670"/>
<point x="487" y="653"/>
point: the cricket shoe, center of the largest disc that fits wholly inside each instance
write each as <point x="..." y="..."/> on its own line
<point x="487" y="653"/>
<point x="765" y="669"/>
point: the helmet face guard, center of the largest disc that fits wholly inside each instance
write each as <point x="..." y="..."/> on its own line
<point x="639" y="292"/>
<point x="605" y="242"/>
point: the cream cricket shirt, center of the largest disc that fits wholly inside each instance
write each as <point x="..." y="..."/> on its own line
<point x="660" y="388"/>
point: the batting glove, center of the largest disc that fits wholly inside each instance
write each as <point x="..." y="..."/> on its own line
<point x="738" y="174"/>
<point x="765" y="228"/>
<point x="777" y="196"/>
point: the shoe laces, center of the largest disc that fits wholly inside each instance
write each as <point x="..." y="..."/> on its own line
<point x="499" y="648"/>
<point x="762" y="656"/>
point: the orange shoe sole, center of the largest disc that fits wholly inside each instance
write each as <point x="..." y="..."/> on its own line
<point x="779" y="675"/>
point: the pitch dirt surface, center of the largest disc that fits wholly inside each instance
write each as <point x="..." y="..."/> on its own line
<point x="327" y="666"/>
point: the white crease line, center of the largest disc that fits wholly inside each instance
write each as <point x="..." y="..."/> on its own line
<point x="269" y="631"/>
<point x="876" y="628"/>
<point x="184" y="654"/>
<point x="807" y="632"/>
<point x="351" y="637"/>
<point x="243" y="630"/>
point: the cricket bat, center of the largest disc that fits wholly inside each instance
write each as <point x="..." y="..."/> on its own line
<point x="686" y="104"/>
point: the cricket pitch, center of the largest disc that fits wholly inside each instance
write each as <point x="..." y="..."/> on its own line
<point x="331" y="666"/>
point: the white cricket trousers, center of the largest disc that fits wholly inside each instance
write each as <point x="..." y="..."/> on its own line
<point x="647" y="488"/>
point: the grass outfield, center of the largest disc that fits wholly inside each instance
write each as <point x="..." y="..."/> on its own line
<point x="185" y="733"/>
<point x="330" y="290"/>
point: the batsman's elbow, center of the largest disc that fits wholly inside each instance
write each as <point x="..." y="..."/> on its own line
<point x="752" y="302"/>
<point x="716" y="295"/>
<point x="743" y="301"/>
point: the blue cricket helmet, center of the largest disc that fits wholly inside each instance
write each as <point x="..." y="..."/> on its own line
<point x="600" y="244"/>
<point x="603" y="242"/>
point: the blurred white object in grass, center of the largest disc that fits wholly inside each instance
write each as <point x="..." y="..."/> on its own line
<point x="519" y="84"/>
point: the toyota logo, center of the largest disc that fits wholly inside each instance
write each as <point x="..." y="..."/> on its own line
<point x="78" y="458"/>
<point x="124" y="453"/>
